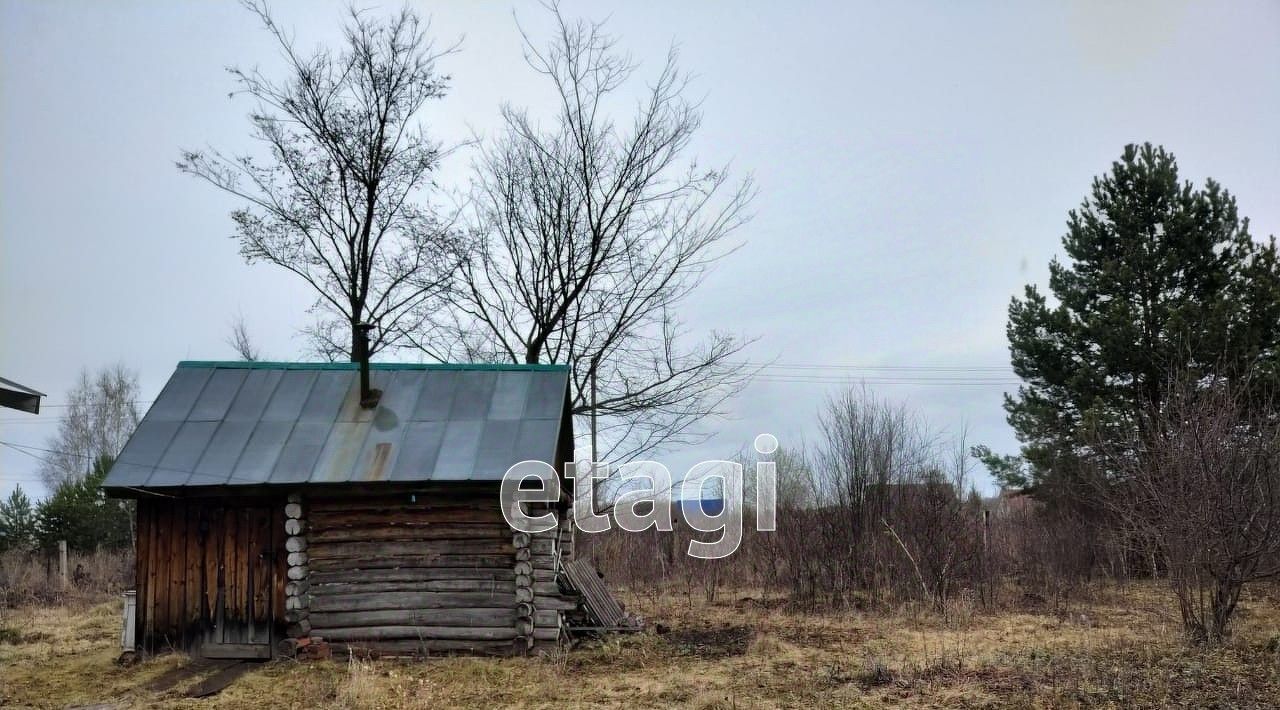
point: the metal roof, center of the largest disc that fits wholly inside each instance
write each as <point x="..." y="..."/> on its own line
<point x="256" y="423"/>
<point x="21" y="397"/>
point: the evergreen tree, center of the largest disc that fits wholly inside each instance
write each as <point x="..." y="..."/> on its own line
<point x="17" y="521"/>
<point x="80" y="513"/>
<point x="1161" y="280"/>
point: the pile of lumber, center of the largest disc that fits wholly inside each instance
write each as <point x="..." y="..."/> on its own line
<point x="601" y="612"/>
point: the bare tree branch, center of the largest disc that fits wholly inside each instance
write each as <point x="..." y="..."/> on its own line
<point x="240" y="341"/>
<point x="593" y="234"/>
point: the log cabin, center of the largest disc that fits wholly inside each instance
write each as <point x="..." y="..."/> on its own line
<point x="351" y="505"/>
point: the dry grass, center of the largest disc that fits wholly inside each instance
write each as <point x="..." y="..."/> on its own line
<point x="65" y="655"/>
<point x="1121" y="649"/>
<point x="31" y="577"/>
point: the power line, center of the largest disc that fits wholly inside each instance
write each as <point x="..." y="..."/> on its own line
<point x="17" y="477"/>
<point x="923" y="377"/>
<point x="911" y="375"/>
<point x="96" y="404"/>
<point x="24" y="449"/>
<point x="887" y="368"/>
<point x="939" y="377"/>
<point x="37" y="479"/>
<point x="20" y="448"/>
<point x="801" y="373"/>
<point x="859" y="380"/>
<point x="37" y="418"/>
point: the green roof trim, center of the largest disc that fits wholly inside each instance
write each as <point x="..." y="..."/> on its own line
<point x="448" y="366"/>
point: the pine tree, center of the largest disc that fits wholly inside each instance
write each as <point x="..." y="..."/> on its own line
<point x="1161" y="280"/>
<point x="80" y="513"/>
<point x="17" y="521"/>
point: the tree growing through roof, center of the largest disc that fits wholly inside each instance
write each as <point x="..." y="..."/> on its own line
<point x="339" y="200"/>
<point x="101" y="413"/>
<point x="1160" y="278"/>
<point x="595" y="232"/>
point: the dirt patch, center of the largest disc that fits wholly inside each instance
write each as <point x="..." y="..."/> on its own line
<point x="1003" y="682"/>
<point x="710" y="643"/>
<point x="761" y="603"/>
<point x="180" y="674"/>
<point x="819" y="637"/>
<point x="219" y="681"/>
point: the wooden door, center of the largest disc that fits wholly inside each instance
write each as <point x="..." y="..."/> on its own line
<point x="210" y="576"/>
<point x="241" y="554"/>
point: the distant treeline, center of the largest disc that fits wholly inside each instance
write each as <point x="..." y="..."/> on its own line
<point x="77" y="511"/>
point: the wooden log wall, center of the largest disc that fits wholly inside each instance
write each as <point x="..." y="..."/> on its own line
<point x="526" y="624"/>
<point x="297" y="596"/>
<point x="422" y="574"/>
<point x="566" y="535"/>
<point x="207" y="572"/>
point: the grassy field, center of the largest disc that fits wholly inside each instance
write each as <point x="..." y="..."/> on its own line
<point x="1120" y="649"/>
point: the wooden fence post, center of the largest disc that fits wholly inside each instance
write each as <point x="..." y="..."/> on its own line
<point x="62" y="561"/>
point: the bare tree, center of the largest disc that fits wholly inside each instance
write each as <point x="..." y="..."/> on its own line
<point x="338" y="202"/>
<point x="1200" y="484"/>
<point x="101" y="413"/>
<point x="240" y="341"/>
<point x="935" y="518"/>
<point x="868" y="446"/>
<point x="795" y="479"/>
<point x="881" y="508"/>
<point x="788" y="556"/>
<point x="594" y="234"/>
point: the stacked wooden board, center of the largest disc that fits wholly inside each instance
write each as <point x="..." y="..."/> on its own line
<point x="604" y="611"/>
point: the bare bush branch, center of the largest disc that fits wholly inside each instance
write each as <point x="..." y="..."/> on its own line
<point x="1199" y="483"/>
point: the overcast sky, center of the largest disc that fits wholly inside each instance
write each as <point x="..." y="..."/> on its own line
<point x="915" y="164"/>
